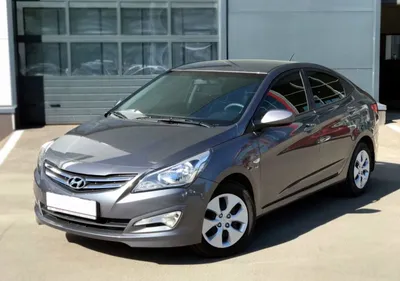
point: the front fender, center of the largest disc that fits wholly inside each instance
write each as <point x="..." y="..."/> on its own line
<point x="237" y="156"/>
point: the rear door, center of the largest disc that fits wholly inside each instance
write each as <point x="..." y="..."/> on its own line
<point x="334" y="106"/>
<point x="289" y="154"/>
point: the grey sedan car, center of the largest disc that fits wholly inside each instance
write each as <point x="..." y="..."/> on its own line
<point x="199" y="153"/>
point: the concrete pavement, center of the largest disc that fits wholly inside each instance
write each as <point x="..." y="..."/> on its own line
<point x="322" y="237"/>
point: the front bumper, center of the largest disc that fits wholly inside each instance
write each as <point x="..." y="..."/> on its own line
<point x="119" y="210"/>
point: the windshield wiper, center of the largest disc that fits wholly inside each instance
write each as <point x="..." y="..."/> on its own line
<point x="172" y="120"/>
<point x="183" y="121"/>
<point x="118" y="114"/>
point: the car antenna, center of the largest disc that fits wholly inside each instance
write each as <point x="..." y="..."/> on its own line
<point x="291" y="57"/>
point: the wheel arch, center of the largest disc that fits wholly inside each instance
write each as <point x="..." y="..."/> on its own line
<point x="370" y="143"/>
<point x="241" y="179"/>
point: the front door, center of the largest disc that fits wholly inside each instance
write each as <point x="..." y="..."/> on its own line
<point x="289" y="154"/>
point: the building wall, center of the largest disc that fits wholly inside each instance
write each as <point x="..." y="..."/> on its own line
<point x="6" y="70"/>
<point x="340" y="34"/>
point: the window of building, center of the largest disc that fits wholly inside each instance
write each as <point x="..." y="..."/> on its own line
<point x="144" y="58"/>
<point x="45" y="59"/>
<point x="44" y="21"/>
<point x="392" y="51"/>
<point x="325" y="88"/>
<point x="187" y="21"/>
<point x="93" y="21"/>
<point x="144" y="21"/>
<point x="287" y="93"/>
<point x="184" y="53"/>
<point x="94" y="59"/>
<point x="120" y="37"/>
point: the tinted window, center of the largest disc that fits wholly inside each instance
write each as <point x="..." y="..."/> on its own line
<point x="44" y="21"/>
<point x="94" y="59"/>
<point x="45" y="59"/>
<point x="139" y="21"/>
<point x="325" y="88"/>
<point x="348" y="87"/>
<point x="189" y="52"/>
<point x="287" y="93"/>
<point x="217" y="98"/>
<point x="198" y="21"/>
<point x="93" y="21"/>
<point x="144" y="58"/>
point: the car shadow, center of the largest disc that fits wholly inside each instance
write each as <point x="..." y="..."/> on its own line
<point x="278" y="227"/>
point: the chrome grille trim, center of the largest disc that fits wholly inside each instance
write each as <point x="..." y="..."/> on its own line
<point x="53" y="176"/>
<point x="92" y="182"/>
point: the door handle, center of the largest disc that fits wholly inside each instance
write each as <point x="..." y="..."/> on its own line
<point x="309" y="127"/>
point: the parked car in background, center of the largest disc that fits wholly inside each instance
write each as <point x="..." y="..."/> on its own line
<point x="198" y="154"/>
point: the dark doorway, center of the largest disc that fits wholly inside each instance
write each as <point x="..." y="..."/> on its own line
<point x="389" y="91"/>
<point x="390" y="71"/>
<point x="30" y="111"/>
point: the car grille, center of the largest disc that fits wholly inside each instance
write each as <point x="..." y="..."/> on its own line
<point x="91" y="182"/>
<point x="117" y="225"/>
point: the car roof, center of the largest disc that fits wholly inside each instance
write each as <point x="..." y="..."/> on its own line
<point x="236" y="65"/>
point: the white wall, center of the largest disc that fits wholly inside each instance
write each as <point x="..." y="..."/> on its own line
<point x="340" y="34"/>
<point x="6" y="97"/>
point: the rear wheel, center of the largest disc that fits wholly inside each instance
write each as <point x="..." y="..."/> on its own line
<point x="228" y="222"/>
<point x="359" y="170"/>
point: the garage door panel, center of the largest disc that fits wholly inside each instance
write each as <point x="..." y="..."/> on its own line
<point x="68" y="119"/>
<point x="80" y="104"/>
<point x="84" y="98"/>
<point x="96" y="82"/>
<point x="74" y="101"/>
<point x="76" y="111"/>
<point x="89" y="90"/>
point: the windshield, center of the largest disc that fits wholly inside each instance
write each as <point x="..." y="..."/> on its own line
<point x="212" y="97"/>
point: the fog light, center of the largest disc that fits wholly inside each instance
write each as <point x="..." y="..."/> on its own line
<point x="169" y="220"/>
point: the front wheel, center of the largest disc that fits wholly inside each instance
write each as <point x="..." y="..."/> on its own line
<point x="228" y="222"/>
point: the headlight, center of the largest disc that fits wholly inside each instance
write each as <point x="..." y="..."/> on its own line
<point x="181" y="174"/>
<point x="42" y="152"/>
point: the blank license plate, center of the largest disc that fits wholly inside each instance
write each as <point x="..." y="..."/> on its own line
<point x="71" y="205"/>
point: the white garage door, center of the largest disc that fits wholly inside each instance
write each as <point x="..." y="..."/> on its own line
<point x="86" y="55"/>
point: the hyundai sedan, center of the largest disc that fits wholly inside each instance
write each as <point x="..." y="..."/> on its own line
<point x="198" y="154"/>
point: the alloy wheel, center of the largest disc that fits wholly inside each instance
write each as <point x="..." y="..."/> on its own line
<point x="225" y="221"/>
<point x="361" y="169"/>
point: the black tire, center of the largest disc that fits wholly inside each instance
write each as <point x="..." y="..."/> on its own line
<point x="206" y="250"/>
<point x="349" y="187"/>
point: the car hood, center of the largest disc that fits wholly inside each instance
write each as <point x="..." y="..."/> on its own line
<point x="114" y="146"/>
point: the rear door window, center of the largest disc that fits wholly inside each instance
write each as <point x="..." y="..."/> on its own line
<point x="325" y="88"/>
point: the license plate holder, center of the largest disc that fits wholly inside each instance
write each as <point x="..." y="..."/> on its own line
<point x="71" y="205"/>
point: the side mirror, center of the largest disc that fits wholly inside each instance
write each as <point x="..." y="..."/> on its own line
<point x="275" y="117"/>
